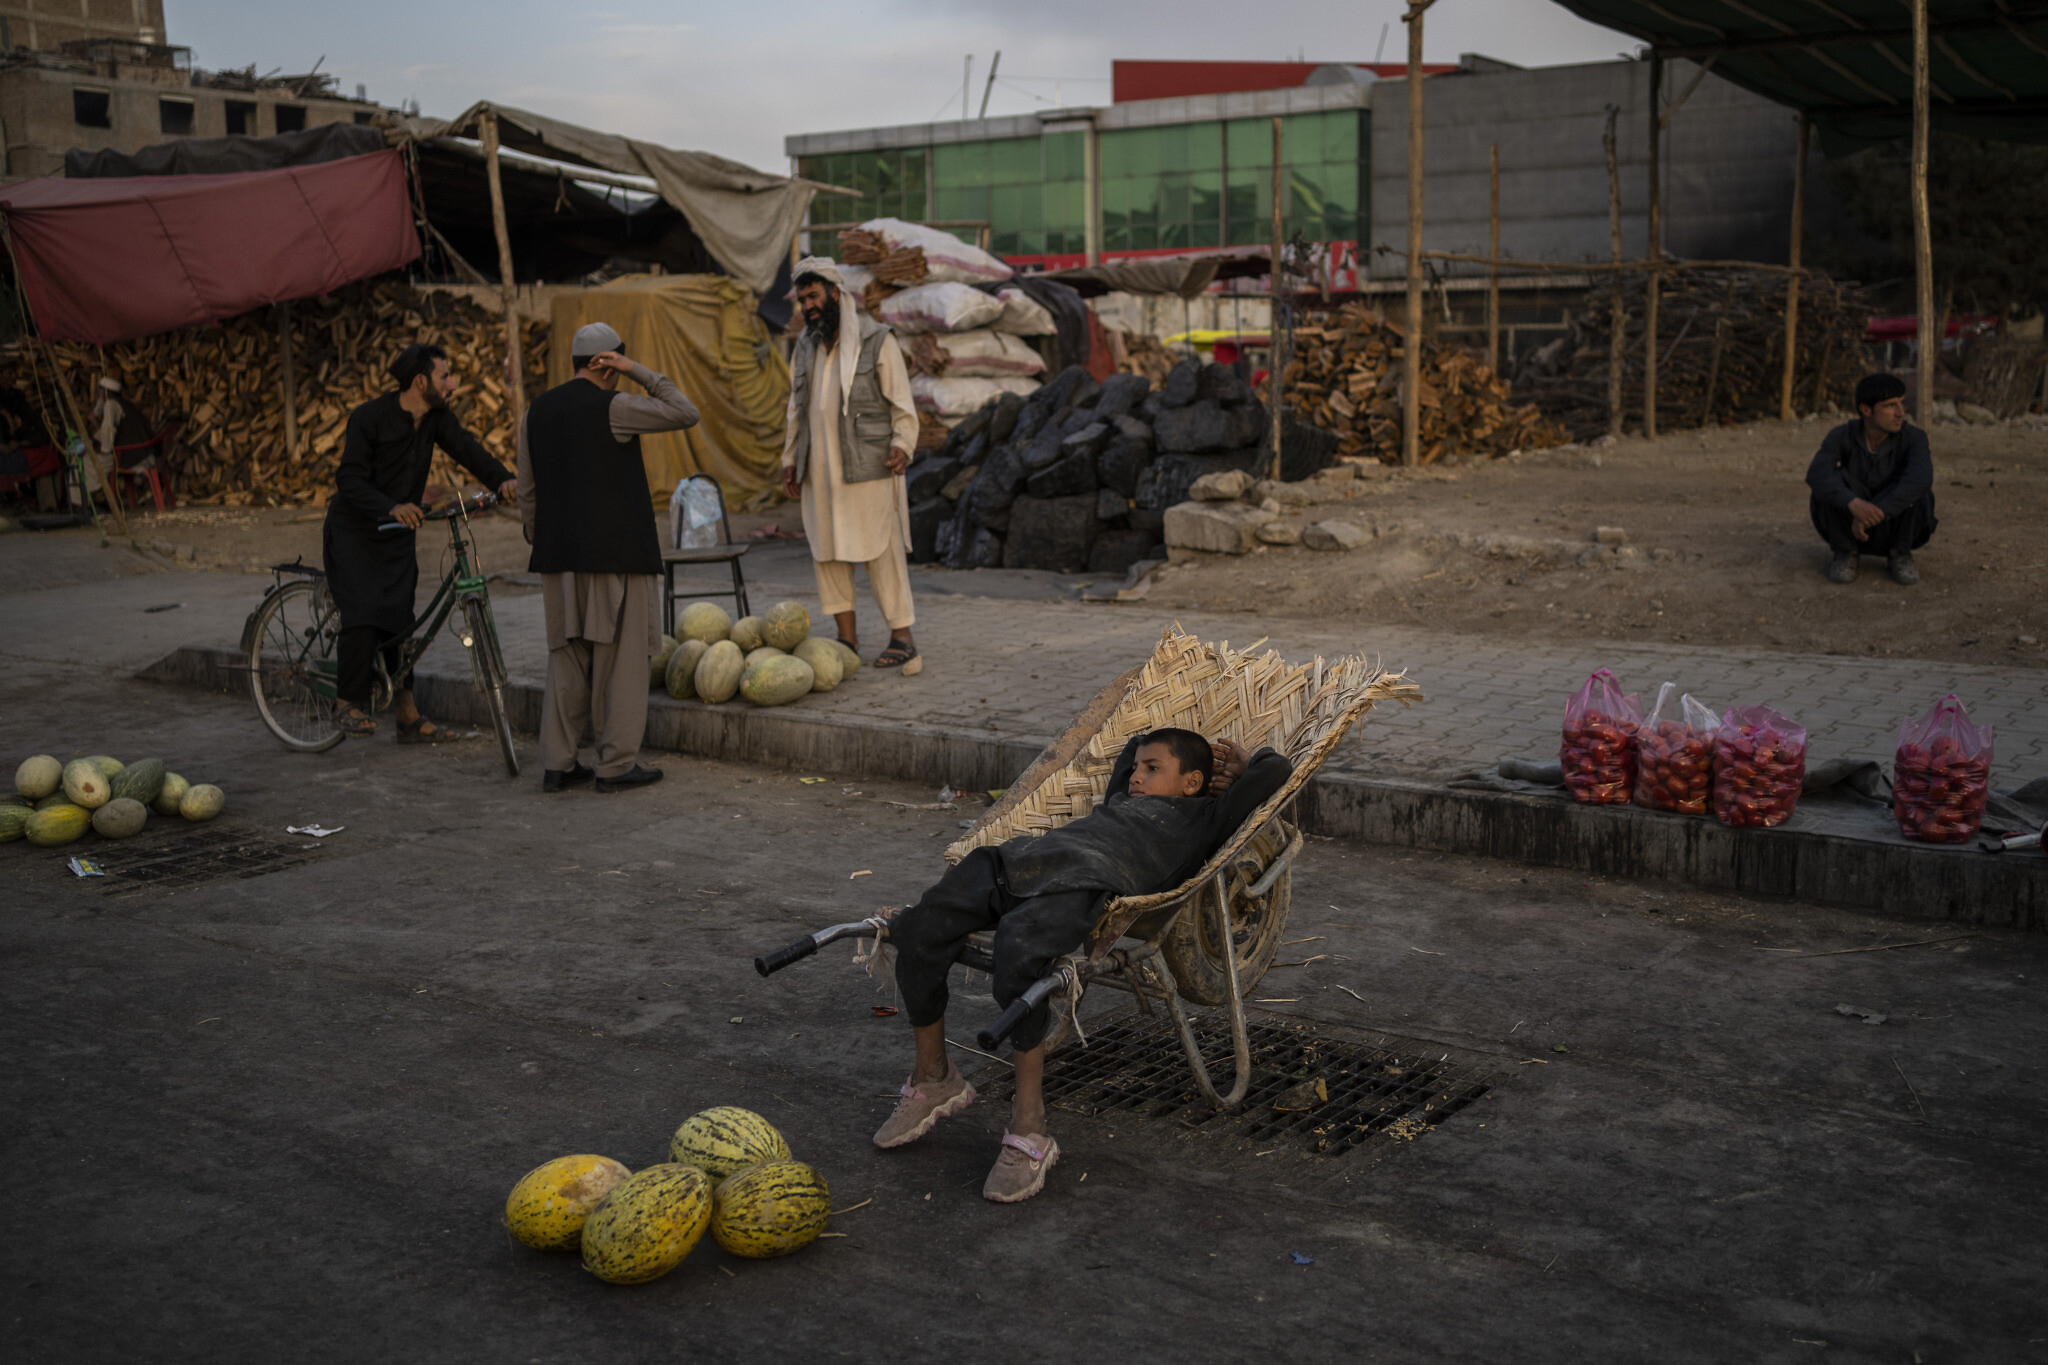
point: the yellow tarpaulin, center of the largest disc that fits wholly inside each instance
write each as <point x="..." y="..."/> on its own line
<point x="701" y="331"/>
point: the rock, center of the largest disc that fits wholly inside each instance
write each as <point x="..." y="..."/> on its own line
<point x="1044" y="448"/>
<point x="1661" y="555"/>
<point x="1000" y="480"/>
<point x="187" y="553"/>
<point x="1225" y="486"/>
<point x="1122" y="463"/>
<point x="1214" y="527"/>
<point x="928" y="476"/>
<point x="1050" y="533"/>
<point x="1336" y="473"/>
<point x="1201" y="426"/>
<point x="985" y="552"/>
<point x="946" y="544"/>
<point x="1070" y="474"/>
<point x="1149" y="410"/>
<point x="1120" y="394"/>
<point x="999" y="519"/>
<point x="1147" y="519"/>
<point x="1223" y="384"/>
<point x="1089" y="440"/>
<point x="1111" y="506"/>
<point x="1131" y="429"/>
<point x="1003" y="420"/>
<point x="1976" y="412"/>
<point x="925" y="519"/>
<point x="1286" y="494"/>
<point x="1168" y="478"/>
<point x="1071" y="387"/>
<point x="1115" y="551"/>
<point x="1610" y="535"/>
<point x="1183" y="385"/>
<point x="1029" y="421"/>
<point x="1278" y="533"/>
<point x="1335" y="535"/>
<point x="957" y="484"/>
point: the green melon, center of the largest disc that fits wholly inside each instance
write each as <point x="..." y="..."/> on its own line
<point x="786" y="625"/>
<point x="120" y="817"/>
<point x="824" y="662"/>
<point x="142" y="781"/>
<point x="173" y="793"/>
<point x="109" y="766"/>
<point x="706" y="621"/>
<point x="14" y="822"/>
<point x="657" y="662"/>
<point x="57" y="825"/>
<point x="746" y="633"/>
<point x="86" y="785"/>
<point x="37" y="777"/>
<point x="755" y="656"/>
<point x="777" y="680"/>
<point x="16" y="799"/>
<point x="682" y="669"/>
<point x="55" y="798"/>
<point x="719" y="672"/>
<point x="849" y="661"/>
<point x="202" y="802"/>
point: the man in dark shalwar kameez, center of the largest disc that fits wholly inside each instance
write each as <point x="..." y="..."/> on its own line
<point x="371" y="573"/>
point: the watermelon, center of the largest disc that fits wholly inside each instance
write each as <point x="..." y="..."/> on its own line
<point x="657" y="663"/>
<point x="173" y="793"/>
<point x="57" y="825"/>
<point x="644" y="1227"/>
<point x="786" y="625"/>
<point x="37" y="777"/>
<point x="826" y="669"/>
<point x="726" y="1139"/>
<point x="547" y="1208"/>
<point x="706" y="621"/>
<point x="86" y="785"/>
<point x="14" y="822"/>
<point x="110" y="768"/>
<point x="770" y="1210"/>
<point x="202" y="802"/>
<point x="682" y="669"/>
<point x="719" y="672"/>
<point x="121" y="817"/>
<point x="746" y="633"/>
<point x="777" y="680"/>
<point x="143" y="781"/>
<point x="849" y="661"/>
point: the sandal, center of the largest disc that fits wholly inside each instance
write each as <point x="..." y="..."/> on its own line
<point x="354" y="722"/>
<point x="424" y="731"/>
<point x="899" y="652"/>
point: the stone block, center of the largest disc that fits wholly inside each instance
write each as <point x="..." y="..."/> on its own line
<point x="1224" y="486"/>
<point x="1111" y="506"/>
<point x="1286" y="494"/>
<point x="1064" y="477"/>
<point x="925" y="520"/>
<point x="1168" y="478"/>
<point x="1610" y="535"/>
<point x="1183" y="385"/>
<point x="926" y="477"/>
<point x="1224" y="384"/>
<point x="1050" y="533"/>
<point x="1335" y="535"/>
<point x="1278" y="533"/>
<point x="1115" y="551"/>
<point x="1214" y="527"/>
<point x="1120" y="394"/>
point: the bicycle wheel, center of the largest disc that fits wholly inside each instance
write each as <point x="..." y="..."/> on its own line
<point x="490" y="675"/>
<point x="291" y="665"/>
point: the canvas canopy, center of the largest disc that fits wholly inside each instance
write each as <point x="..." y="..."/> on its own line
<point x="702" y="332"/>
<point x="110" y="259"/>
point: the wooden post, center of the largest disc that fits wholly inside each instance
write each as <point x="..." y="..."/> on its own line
<point x="1792" y="280"/>
<point x="1923" y="232"/>
<point x="515" y="363"/>
<point x="1617" y="316"/>
<point x="1493" y="250"/>
<point x="1656" y="254"/>
<point x="291" y="382"/>
<point x="1411" y="345"/>
<point x="1274" y="277"/>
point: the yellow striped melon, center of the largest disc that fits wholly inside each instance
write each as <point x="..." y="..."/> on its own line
<point x="37" y="777"/>
<point x="826" y="670"/>
<point x="141" y="781"/>
<point x="85" y="785"/>
<point x="14" y="822"/>
<point x="548" y="1206"/>
<point x="786" y="625"/>
<point x="776" y="679"/>
<point x="109" y="767"/>
<point x="119" y="818"/>
<point x="719" y="672"/>
<point x="746" y="633"/>
<point x="770" y="1210"/>
<point x="726" y="1139"/>
<point x="173" y="793"/>
<point x="706" y="621"/>
<point x="55" y="825"/>
<point x="682" y="669"/>
<point x="647" y="1224"/>
<point x="849" y="661"/>
<point x="657" y="662"/>
<point x="202" y="802"/>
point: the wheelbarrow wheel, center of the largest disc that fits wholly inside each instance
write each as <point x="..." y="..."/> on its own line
<point x="1257" y="923"/>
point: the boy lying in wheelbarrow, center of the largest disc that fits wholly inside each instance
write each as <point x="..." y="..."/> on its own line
<point x="1170" y="805"/>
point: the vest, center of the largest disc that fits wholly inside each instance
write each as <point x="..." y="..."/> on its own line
<point x="590" y="508"/>
<point x="865" y="425"/>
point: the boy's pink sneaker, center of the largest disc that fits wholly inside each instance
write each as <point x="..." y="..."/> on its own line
<point x="1020" y="1168"/>
<point x="923" y="1104"/>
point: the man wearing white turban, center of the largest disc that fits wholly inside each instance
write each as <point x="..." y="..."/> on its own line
<point x="848" y="439"/>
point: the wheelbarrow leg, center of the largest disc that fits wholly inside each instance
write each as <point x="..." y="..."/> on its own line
<point x="1240" y="1040"/>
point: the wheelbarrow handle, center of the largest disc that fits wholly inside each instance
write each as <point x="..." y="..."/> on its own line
<point x="782" y="957"/>
<point x="1006" y="1022"/>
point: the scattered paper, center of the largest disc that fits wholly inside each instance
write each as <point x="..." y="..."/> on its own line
<point x="1300" y="1259"/>
<point x="86" y="867"/>
<point x="1852" y="1011"/>
<point x="946" y="793"/>
<point x="315" y="830"/>
<point x="864" y="872"/>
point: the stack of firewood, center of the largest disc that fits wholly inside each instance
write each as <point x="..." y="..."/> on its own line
<point x="858" y="246"/>
<point x="1720" y="350"/>
<point x="223" y="385"/>
<point x="1346" y="377"/>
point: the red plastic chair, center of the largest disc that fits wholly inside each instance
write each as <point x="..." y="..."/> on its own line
<point x="157" y="475"/>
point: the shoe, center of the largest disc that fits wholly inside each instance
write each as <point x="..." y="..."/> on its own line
<point x="1900" y="567"/>
<point x="1842" y="569"/>
<point x="424" y="731"/>
<point x="1020" y="1168"/>
<point x="556" y="782"/>
<point x="639" y="777"/>
<point x="923" y="1104"/>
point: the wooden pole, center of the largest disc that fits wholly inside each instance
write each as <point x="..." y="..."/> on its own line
<point x="1923" y="232"/>
<point x="1493" y="249"/>
<point x="1617" y="317"/>
<point x="1792" y="283"/>
<point x="1275" y="278"/>
<point x="1655" y="253"/>
<point x="515" y="364"/>
<point x="1411" y="345"/>
<point x="291" y="381"/>
<point x="1091" y="194"/>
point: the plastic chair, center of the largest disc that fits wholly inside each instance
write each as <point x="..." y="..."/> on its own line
<point x="677" y="554"/>
<point x="157" y="474"/>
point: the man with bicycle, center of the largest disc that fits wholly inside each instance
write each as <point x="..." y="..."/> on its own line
<point x="372" y="573"/>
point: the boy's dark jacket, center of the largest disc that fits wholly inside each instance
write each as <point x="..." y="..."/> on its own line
<point x="1135" y="845"/>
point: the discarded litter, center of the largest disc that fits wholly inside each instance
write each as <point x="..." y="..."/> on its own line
<point x="737" y="1019"/>
<point x="1300" y="1259"/>
<point x="1301" y="1098"/>
<point x="996" y="793"/>
<point x="168" y="606"/>
<point x="864" y="872"/>
<point x="883" y="1011"/>
<point x="314" y="830"/>
<point x="946" y="792"/>
<point x="811" y="781"/>
<point x="1858" y="1012"/>
<point x="86" y="867"/>
<point x="1559" y="1047"/>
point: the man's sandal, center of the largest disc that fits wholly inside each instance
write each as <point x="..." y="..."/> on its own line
<point x="900" y="654"/>
<point x="355" y="722"/>
<point x="424" y="731"/>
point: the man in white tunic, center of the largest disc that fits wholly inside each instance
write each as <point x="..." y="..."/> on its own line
<point x="849" y="435"/>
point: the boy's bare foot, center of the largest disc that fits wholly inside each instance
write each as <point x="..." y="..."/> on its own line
<point x="923" y="1104"/>
<point x="1020" y="1168"/>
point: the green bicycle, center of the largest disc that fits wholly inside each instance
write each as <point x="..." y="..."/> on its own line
<point x="290" y="643"/>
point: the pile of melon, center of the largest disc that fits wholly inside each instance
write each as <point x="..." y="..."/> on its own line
<point x="55" y="803"/>
<point x="728" y="1170"/>
<point x="770" y="660"/>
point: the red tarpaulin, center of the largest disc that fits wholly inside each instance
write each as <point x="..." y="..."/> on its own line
<point x="106" y="260"/>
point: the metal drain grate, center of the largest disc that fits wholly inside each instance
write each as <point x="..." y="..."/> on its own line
<point x="1133" y="1076"/>
<point x="199" y="857"/>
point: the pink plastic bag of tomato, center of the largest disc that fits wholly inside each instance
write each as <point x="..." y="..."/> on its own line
<point x="1674" y="755"/>
<point x="1599" y="755"/>
<point x="1941" y="774"/>
<point x="1759" y="766"/>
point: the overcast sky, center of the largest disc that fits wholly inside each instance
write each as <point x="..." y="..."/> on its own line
<point x="736" y="78"/>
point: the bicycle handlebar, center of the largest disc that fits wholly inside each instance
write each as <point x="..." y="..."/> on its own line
<point x="478" y="503"/>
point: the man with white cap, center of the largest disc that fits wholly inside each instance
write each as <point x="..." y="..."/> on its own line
<point x="848" y="439"/>
<point x="583" y="494"/>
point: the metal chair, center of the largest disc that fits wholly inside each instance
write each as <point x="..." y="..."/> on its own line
<point x="677" y="554"/>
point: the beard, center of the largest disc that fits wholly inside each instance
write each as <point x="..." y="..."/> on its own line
<point x="823" y="326"/>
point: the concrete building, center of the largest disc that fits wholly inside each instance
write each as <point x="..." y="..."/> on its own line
<point x="46" y="25"/>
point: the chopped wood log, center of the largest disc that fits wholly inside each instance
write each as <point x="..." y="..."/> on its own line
<point x="858" y="246"/>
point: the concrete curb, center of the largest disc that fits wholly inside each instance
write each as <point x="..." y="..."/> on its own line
<point x="1621" y="841"/>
